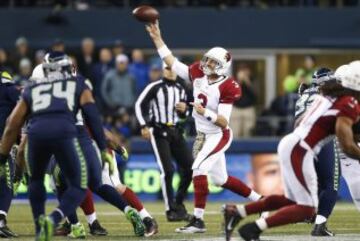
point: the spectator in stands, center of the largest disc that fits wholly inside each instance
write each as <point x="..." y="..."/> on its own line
<point x="243" y="116"/>
<point x="4" y="62"/>
<point x="139" y="69"/>
<point x="87" y="58"/>
<point x="117" y="88"/>
<point x="25" y="70"/>
<point x="39" y="56"/>
<point x="100" y="69"/>
<point x="118" y="48"/>
<point x="307" y="70"/>
<point x="22" y="50"/>
<point x="58" y="45"/>
<point x="155" y="72"/>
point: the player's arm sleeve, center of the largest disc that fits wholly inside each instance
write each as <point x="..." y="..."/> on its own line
<point x="93" y="121"/>
<point x="181" y="69"/>
<point x="350" y="108"/>
<point x="142" y="104"/>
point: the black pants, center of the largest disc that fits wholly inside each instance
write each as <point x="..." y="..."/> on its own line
<point x="169" y="142"/>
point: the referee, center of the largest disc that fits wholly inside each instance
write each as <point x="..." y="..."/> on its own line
<point x="160" y="110"/>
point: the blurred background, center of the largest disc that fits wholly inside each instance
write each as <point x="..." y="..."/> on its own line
<point x="275" y="45"/>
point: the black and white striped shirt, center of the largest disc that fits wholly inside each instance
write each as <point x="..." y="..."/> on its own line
<point x="156" y="104"/>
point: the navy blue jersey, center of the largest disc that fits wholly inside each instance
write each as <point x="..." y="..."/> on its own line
<point x="9" y="95"/>
<point x="53" y="107"/>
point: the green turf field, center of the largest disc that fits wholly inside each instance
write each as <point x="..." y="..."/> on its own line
<point x="345" y="222"/>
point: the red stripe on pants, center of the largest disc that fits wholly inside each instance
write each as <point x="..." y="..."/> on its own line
<point x="297" y="159"/>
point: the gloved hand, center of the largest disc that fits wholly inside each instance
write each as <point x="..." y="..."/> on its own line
<point x="106" y="157"/>
<point x="123" y="152"/>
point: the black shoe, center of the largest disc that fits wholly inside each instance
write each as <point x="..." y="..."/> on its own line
<point x="196" y="225"/>
<point x="151" y="226"/>
<point x="182" y="212"/>
<point x="250" y="232"/>
<point x="321" y="230"/>
<point x="231" y="218"/>
<point x="96" y="229"/>
<point x="63" y="230"/>
<point x="173" y="216"/>
<point x="5" y="232"/>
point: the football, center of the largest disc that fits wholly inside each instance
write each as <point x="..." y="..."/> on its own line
<point x="146" y="14"/>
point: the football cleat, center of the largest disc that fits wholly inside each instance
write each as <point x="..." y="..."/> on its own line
<point x="231" y="218"/>
<point x="96" y="229"/>
<point x="63" y="230"/>
<point x="136" y="221"/>
<point x="321" y="230"/>
<point x="46" y="229"/>
<point x="250" y="232"/>
<point x="151" y="226"/>
<point x="196" y="225"/>
<point x="77" y="231"/>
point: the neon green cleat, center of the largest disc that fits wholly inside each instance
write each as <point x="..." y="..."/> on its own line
<point x="46" y="229"/>
<point x="77" y="231"/>
<point x="133" y="216"/>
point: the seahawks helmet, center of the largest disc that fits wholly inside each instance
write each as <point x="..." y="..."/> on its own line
<point x="322" y="75"/>
<point x="57" y="65"/>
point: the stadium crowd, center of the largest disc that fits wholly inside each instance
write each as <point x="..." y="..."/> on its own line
<point x="118" y="76"/>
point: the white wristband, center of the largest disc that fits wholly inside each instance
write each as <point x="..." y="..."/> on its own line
<point x="164" y="51"/>
<point x="210" y="115"/>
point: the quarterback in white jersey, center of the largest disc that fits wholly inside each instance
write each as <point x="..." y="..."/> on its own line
<point x="214" y="94"/>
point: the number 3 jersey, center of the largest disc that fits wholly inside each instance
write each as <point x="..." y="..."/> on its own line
<point x="212" y="95"/>
<point x="53" y="107"/>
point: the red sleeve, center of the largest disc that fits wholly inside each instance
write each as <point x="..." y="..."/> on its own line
<point x="348" y="106"/>
<point x="230" y="91"/>
<point x="195" y="71"/>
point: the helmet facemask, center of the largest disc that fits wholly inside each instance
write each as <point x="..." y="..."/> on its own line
<point x="208" y="71"/>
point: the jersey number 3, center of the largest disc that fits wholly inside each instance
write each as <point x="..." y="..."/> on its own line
<point x="203" y="99"/>
<point x="42" y="95"/>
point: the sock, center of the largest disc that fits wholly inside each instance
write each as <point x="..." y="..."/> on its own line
<point x="254" y="196"/>
<point x="320" y="219"/>
<point x="73" y="218"/>
<point x="237" y="186"/>
<point x="199" y="213"/>
<point x="132" y="199"/>
<point x="87" y="204"/>
<point x="269" y="203"/>
<point x="261" y="223"/>
<point x="144" y="214"/>
<point x="290" y="214"/>
<point x="37" y="197"/>
<point x="241" y="209"/>
<point x="109" y="194"/>
<point x="91" y="218"/>
<point x="201" y="190"/>
<point x="57" y="215"/>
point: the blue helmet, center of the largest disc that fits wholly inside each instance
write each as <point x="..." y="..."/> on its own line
<point x="322" y="75"/>
<point x="57" y="65"/>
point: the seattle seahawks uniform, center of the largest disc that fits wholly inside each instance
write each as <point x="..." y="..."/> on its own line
<point x="9" y="95"/>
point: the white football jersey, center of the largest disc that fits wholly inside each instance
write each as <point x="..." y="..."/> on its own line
<point x="225" y="90"/>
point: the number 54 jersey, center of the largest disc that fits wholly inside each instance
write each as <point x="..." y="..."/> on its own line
<point x="212" y="95"/>
<point x="53" y="106"/>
